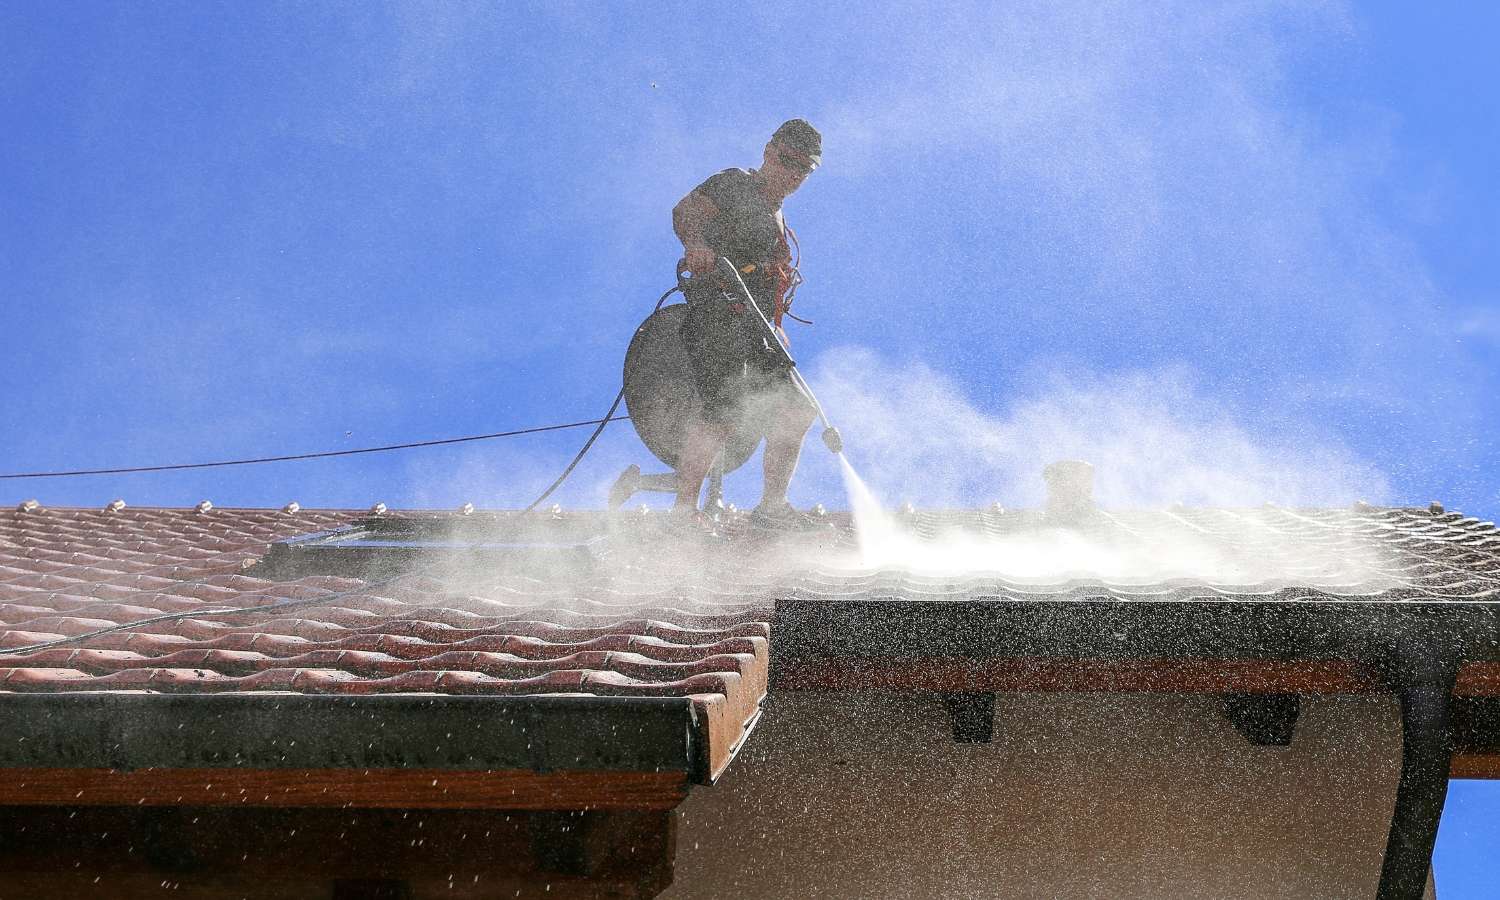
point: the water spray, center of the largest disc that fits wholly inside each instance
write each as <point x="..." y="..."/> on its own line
<point x="731" y="276"/>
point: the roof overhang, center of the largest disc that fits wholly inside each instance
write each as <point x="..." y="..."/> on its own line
<point x="810" y="631"/>
<point x="529" y="752"/>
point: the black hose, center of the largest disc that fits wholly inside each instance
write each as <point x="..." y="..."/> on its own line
<point x="608" y="417"/>
<point x="557" y="482"/>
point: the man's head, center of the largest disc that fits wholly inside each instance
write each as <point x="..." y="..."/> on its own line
<point x="795" y="149"/>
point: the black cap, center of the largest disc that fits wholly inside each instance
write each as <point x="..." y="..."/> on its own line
<point x="799" y="135"/>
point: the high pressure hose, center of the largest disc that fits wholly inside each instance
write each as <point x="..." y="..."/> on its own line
<point x="608" y="417"/>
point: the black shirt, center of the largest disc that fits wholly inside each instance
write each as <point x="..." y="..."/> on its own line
<point x="748" y="227"/>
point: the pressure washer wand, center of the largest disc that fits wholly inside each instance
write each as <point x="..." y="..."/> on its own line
<point x="730" y="275"/>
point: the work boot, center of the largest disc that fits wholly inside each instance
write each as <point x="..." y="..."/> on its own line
<point x="625" y="487"/>
<point x="781" y="516"/>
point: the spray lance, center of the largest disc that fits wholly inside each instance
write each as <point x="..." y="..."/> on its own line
<point x="731" y="277"/>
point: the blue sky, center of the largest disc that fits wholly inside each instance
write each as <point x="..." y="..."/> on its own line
<point x="247" y="229"/>
<point x="1231" y="253"/>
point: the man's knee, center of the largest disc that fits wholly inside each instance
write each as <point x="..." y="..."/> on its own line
<point x="796" y="415"/>
<point x="801" y="407"/>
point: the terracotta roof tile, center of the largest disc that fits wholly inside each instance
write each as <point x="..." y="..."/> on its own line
<point x="646" y="626"/>
<point x="65" y="573"/>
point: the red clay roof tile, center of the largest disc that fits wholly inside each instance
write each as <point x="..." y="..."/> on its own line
<point x="662" y="629"/>
<point x="65" y="573"/>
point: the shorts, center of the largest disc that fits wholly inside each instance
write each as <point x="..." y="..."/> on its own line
<point x="739" y="377"/>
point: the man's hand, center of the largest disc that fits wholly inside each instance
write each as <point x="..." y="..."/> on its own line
<point x="700" y="261"/>
<point x="690" y="217"/>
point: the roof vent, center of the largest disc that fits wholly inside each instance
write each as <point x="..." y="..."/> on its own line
<point x="291" y="508"/>
<point x="1362" y="506"/>
<point x="466" y="510"/>
<point x="203" y="506"/>
<point x="1434" y="507"/>
<point x="28" y="506"/>
<point x="997" y="508"/>
<point x="115" y="505"/>
<point x="378" y="509"/>
<point x="1070" y="489"/>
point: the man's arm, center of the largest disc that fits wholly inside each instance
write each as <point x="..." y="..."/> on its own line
<point x="690" y="217"/>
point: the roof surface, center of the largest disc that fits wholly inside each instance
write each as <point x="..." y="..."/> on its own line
<point x="657" y="617"/>
<point x="646" y="622"/>
<point x="78" y="574"/>
<point x="65" y="573"/>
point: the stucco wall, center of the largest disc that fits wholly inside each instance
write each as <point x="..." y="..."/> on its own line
<point x="1080" y="795"/>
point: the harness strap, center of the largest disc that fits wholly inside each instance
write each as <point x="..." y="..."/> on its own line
<point x="785" y="273"/>
<point x="787" y="277"/>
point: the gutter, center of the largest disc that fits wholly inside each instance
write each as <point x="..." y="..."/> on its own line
<point x="544" y="751"/>
<point x="129" y="731"/>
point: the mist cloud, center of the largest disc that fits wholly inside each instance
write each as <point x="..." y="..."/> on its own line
<point x="1152" y="436"/>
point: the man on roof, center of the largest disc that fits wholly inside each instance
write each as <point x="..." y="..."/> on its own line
<point x="736" y="214"/>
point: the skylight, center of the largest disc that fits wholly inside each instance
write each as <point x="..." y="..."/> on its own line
<point x="388" y="545"/>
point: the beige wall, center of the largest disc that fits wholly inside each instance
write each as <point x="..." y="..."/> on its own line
<point x="1080" y="795"/>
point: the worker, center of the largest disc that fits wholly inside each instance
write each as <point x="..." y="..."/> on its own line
<point x="739" y="377"/>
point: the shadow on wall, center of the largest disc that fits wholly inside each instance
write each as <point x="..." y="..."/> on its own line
<point x="1079" y="795"/>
